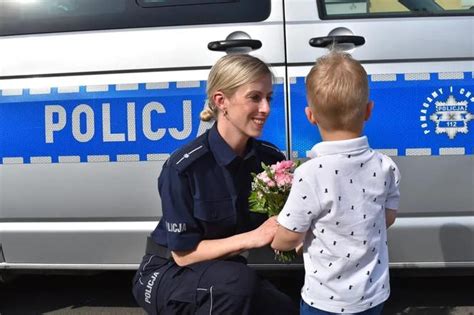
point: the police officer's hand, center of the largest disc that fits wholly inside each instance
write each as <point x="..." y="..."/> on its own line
<point x="263" y="235"/>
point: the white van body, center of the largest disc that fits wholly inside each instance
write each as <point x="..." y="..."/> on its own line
<point x="88" y="117"/>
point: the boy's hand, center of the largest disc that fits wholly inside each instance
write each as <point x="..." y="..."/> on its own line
<point x="286" y="240"/>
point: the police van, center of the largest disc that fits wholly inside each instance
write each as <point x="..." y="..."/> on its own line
<point x="95" y="95"/>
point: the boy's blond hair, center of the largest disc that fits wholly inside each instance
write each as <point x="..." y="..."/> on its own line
<point x="338" y="92"/>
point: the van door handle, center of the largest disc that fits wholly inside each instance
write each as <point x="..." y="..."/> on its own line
<point x="223" y="45"/>
<point x="323" y="42"/>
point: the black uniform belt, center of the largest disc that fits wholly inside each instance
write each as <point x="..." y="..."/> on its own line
<point x="152" y="248"/>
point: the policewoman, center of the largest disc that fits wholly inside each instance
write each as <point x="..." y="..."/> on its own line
<point x="195" y="258"/>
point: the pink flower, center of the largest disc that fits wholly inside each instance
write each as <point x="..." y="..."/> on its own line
<point x="267" y="180"/>
<point x="283" y="179"/>
<point x="285" y="165"/>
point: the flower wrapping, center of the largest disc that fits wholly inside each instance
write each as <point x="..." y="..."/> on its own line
<point x="270" y="189"/>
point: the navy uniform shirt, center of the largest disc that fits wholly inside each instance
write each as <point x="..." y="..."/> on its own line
<point x="204" y="189"/>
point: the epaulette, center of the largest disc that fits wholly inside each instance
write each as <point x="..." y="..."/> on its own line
<point x="187" y="155"/>
<point x="269" y="148"/>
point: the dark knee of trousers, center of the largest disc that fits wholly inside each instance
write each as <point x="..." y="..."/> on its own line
<point x="234" y="278"/>
<point x="227" y="288"/>
<point x="247" y="282"/>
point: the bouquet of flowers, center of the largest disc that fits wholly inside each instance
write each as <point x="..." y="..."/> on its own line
<point x="270" y="189"/>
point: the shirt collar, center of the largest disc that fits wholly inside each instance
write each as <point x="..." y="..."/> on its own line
<point x="222" y="152"/>
<point x="353" y="146"/>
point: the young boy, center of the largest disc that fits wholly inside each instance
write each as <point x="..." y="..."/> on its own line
<point x="342" y="199"/>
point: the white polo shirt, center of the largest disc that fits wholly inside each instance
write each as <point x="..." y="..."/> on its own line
<point x="340" y="197"/>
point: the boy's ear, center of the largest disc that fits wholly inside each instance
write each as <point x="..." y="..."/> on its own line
<point x="310" y="115"/>
<point x="368" y="110"/>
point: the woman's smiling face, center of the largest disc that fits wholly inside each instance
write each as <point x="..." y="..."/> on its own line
<point x="248" y="108"/>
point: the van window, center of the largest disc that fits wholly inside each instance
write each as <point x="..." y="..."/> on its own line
<point x="18" y="17"/>
<point x="336" y="9"/>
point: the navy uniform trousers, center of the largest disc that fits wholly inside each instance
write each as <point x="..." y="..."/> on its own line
<point x="227" y="287"/>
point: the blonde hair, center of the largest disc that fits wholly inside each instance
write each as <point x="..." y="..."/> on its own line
<point x="227" y="75"/>
<point x="337" y="91"/>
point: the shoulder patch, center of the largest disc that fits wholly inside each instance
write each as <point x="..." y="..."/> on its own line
<point x="184" y="157"/>
<point x="270" y="148"/>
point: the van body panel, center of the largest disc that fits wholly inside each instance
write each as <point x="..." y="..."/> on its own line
<point x="89" y="117"/>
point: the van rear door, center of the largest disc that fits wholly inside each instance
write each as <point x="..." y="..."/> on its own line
<point x="420" y="59"/>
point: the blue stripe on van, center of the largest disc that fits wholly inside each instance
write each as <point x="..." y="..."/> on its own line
<point x="110" y="122"/>
<point x="405" y="115"/>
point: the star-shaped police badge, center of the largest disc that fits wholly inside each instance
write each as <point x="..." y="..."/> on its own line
<point x="450" y="116"/>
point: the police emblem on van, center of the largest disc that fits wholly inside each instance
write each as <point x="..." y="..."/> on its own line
<point x="448" y="110"/>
